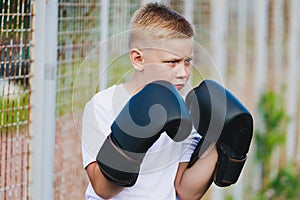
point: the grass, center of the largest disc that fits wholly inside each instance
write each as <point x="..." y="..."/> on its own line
<point x="14" y="112"/>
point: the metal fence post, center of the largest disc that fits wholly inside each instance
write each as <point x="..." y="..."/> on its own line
<point x="43" y="99"/>
<point x="241" y="6"/>
<point x="260" y="14"/>
<point x="104" y="30"/>
<point x="293" y="75"/>
<point x="218" y="33"/>
<point x="189" y="10"/>
<point x="188" y="13"/>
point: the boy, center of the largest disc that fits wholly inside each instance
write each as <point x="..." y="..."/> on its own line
<point x="161" y="48"/>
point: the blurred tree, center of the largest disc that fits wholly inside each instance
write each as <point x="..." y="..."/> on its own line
<point x="285" y="183"/>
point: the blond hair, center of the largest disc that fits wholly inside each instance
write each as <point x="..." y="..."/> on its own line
<point x="156" y="21"/>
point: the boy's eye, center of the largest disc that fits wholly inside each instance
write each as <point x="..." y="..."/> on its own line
<point x="172" y="61"/>
<point x="188" y="61"/>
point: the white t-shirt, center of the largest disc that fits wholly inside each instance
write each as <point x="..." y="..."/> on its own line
<point x="160" y="164"/>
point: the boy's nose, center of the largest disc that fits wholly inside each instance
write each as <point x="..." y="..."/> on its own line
<point x="181" y="70"/>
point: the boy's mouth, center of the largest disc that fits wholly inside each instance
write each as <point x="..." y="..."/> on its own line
<point x="179" y="86"/>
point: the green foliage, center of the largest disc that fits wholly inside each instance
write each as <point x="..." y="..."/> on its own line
<point x="13" y="111"/>
<point x="275" y="120"/>
<point x="266" y="143"/>
<point x="286" y="182"/>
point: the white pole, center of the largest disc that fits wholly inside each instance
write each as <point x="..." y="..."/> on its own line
<point x="149" y="1"/>
<point x="242" y="42"/>
<point x="241" y="6"/>
<point x="278" y="22"/>
<point x="293" y="54"/>
<point x="219" y="12"/>
<point x="188" y="13"/>
<point x="260" y="12"/>
<point x="104" y="20"/>
<point x="42" y="125"/>
<point x="50" y="96"/>
<point x="189" y="10"/>
<point x="260" y="23"/>
<point x="37" y="100"/>
<point x="218" y="32"/>
<point x="277" y="64"/>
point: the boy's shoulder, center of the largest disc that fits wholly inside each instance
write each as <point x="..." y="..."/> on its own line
<point x="114" y="97"/>
<point x="105" y="94"/>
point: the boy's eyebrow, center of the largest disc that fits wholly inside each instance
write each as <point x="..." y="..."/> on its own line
<point x="179" y="58"/>
<point x="182" y="56"/>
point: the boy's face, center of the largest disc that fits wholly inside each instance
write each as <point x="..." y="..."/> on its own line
<point x="168" y="60"/>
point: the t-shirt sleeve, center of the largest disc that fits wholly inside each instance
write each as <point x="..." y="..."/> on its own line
<point x="189" y="145"/>
<point x="92" y="136"/>
<point x="99" y="113"/>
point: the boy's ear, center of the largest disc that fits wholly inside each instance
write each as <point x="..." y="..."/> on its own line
<point x="137" y="60"/>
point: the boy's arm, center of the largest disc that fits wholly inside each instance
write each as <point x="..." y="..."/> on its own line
<point x="192" y="183"/>
<point x="121" y="154"/>
<point x="101" y="185"/>
<point x="227" y="125"/>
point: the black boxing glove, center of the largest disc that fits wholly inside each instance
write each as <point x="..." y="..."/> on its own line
<point x="158" y="107"/>
<point x="222" y="119"/>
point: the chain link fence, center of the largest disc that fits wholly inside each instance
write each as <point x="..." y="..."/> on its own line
<point x="250" y="46"/>
<point x="15" y="20"/>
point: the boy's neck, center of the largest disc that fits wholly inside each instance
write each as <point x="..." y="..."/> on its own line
<point x="133" y="86"/>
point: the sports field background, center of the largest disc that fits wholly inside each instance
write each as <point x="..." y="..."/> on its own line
<point x="56" y="55"/>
